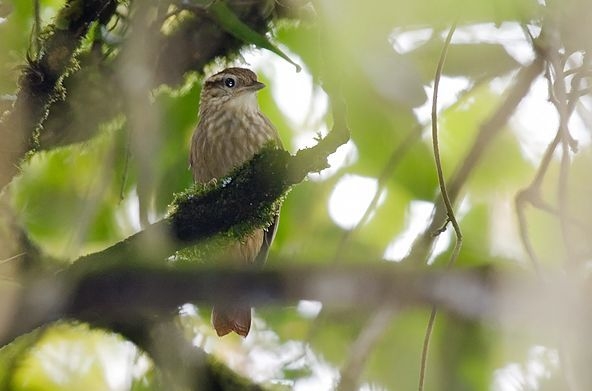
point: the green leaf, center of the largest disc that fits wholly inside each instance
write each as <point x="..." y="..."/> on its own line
<point x="73" y="357"/>
<point x="68" y="199"/>
<point x="12" y="354"/>
<point x="231" y="23"/>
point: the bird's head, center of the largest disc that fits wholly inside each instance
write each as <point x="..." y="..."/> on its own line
<point x="232" y="88"/>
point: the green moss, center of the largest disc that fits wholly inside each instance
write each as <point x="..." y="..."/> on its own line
<point x="72" y="11"/>
<point x="261" y="220"/>
<point x="34" y="146"/>
<point x="223" y="194"/>
<point x="176" y="22"/>
<point x="46" y="34"/>
<point x="206" y="253"/>
<point x="194" y="191"/>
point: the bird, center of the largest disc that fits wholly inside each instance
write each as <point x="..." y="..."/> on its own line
<point x="230" y="131"/>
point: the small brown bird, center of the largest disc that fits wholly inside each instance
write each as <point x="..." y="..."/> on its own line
<point x="231" y="130"/>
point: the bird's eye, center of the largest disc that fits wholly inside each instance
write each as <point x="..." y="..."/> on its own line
<point x="229" y="82"/>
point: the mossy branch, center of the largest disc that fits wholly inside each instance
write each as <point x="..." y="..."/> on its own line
<point x="245" y="199"/>
<point x="112" y="288"/>
<point x="40" y="78"/>
<point x="46" y="81"/>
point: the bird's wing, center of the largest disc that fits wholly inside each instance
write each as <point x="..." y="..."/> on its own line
<point x="268" y="235"/>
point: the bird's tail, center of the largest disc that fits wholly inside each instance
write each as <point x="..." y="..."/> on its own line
<point x="227" y="318"/>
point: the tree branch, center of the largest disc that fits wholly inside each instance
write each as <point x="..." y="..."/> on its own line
<point x="244" y="199"/>
<point x="44" y="100"/>
<point x="40" y="79"/>
<point x="126" y="295"/>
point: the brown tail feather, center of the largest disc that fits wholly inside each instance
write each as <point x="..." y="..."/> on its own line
<point x="231" y="318"/>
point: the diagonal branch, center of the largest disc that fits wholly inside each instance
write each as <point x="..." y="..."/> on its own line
<point x="50" y="88"/>
<point x="40" y="79"/>
<point x="243" y="200"/>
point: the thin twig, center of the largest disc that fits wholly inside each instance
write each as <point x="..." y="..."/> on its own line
<point x="426" y="347"/>
<point x="565" y="104"/>
<point x="532" y="195"/>
<point x="6" y="260"/>
<point x="487" y="132"/>
<point x="95" y="190"/>
<point x="35" y="40"/>
<point x="564" y="114"/>
<point x="396" y="156"/>
<point x="444" y="192"/>
<point x="441" y="180"/>
<point x="520" y="202"/>
<point x="125" y="169"/>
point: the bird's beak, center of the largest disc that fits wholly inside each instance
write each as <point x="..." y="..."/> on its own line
<point x="256" y="86"/>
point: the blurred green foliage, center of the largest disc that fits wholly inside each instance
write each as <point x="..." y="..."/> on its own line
<point x="73" y="357"/>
